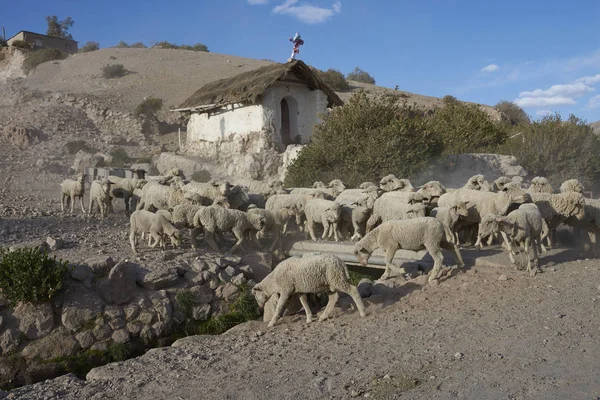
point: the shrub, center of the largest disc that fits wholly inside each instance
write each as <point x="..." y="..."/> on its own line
<point x="466" y="128"/>
<point x="119" y="158"/>
<point x="168" y="45"/>
<point x="89" y="46"/>
<point x="359" y="75"/>
<point x="113" y="71"/>
<point x="516" y="115"/>
<point x="148" y="107"/>
<point x="557" y="149"/>
<point x="333" y="78"/>
<point x="30" y="275"/>
<point x="201" y="176"/>
<point x="122" y="45"/>
<point x="40" y="56"/>
<point x="138" y="45"/>
<point x="76" y="145"/>
<point x="365" y="139"/>
<point x="21" y="44"/>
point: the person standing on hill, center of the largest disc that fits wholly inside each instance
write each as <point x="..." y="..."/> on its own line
<point x="297" y="41"/>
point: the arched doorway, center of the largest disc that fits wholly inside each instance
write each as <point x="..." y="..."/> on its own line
<point x="289" y="121"/>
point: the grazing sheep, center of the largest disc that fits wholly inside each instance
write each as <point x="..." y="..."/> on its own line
<point x="539" y="184"/>
<point x="124" y="188"/>
<point x="324" y="212"/>
<point x="275" y="220"/>
<point x="209" y="191"/>
<point x="478" y="182"/>
<point x="308" y="274"/>
<point x="499" y="183"/>
<point x="412" y="234"/>
<point x="155" y="225"/>
<point x="449" y="216"/>
<point x="215" y="219"/>
<point x="571" y="185"/>
<point x="556" y="208"/>
<point x="71" y="190"/>
<point x="390" y="183"/>
<point x="100" y="194"/>
<point x="523" y="226"/>
<point x="388" y="208"/>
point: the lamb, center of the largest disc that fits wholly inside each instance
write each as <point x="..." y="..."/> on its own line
<point x="499" y="183"/>
<point x="275" y="220"/>
<point x="478" y="182"/>
<point x="308" y="274"/>
<point x="348" y="199"/>
<point x="559" y="207"/>
<point x="412" y="234"/>
<point x="156" y="225"/>
<point x="389" y="208"/>
<point x="361" y="211"/>
<point x="209" y="191"/>
<point x="215" y="219"/>
<point x="571" y="185"/>
<point x="124" y="188"/>
<point x="449" y="216"/>
<point x="325" y="212"/>
<point x="523" y="226"/>
<point x="100" y="194"/>
<point x="72" y="189"/>
<point x="390" y="183"/>
<point x="539" y="184"/>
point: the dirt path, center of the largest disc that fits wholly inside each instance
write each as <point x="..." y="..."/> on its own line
<point x="473" y="336"/>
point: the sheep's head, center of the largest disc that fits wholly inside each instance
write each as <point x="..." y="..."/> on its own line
<point x="337" y="186"/>
<point x="462" y="208"/>
<point x="223" y="186"/>
<point x="571" y="185"/>
<point x="258" y="221"/>
<point x="81" y="178"/>
<point x="515" y="193"/>
<point x="366" y="185"/>
<point x="575" y="205"/>
<point x="391" y="183"/>
<point x="239" y="194"/>
<point x="315" y="194"/>
<point x="361" y="254"/>
<point x="260" y="295"/>
<point x="490" y="224"/>
<point x="333" y="211"/>
<point x="415" y="198"/>
<point x="416" y="211"/>
<point x="319" y="185"/>
<point x="221" y="201"/>
<point x="540" y="184"/>
<point x="431" y="190"/>
<point x="500" y="182"/>
<point x="478" y="182"/>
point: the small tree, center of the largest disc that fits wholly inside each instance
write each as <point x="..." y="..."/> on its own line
<point x="122" y="45"/>
<point x="113" y="71"/>
<point x="516" y="115"/>
<point x="58" y="28"/>
<point x="90" y="46"/>
<point x="148" y="107"/>
<point x="365" y="139"/>
<point x="359" y="75"/>
<point x="333" y="78"/>
<point x="138" y="45"/>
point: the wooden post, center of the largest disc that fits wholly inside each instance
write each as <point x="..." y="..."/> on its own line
<point x="3" y="34"/>
<point x="179" y="133"/>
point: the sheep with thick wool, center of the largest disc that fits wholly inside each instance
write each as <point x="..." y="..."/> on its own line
<point x="390" y="183"/>
<point x="348" y="199"/>
<point x="361" y="211"/>
<point x="478" y="182"/>
<point x="156" y="225"/>
<point x="410" y="234"/>
<point x="571" y="185"/>
<point x="100" y="194"/>
<point x="499" y="183"/>
<point x="297" y="201"/>
<point x="324" y="212"/>
<point x="209" y="191"/>
<point x="449" y="217"/>
<point x="314" y="273"/>
<point x="522" y="227"/>
<point x="387" y="208"/>
<point x="70" y="190"/>
<point x="431" y="192"/>
<point x="274" y="222"/>
<point x="556" y="208"/>
<point x="540" y="184"/>
<point x="183" y="216"/>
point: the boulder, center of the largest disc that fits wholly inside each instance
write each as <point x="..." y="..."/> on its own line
<point x="84" y="160"/>
<point x="80" y="305"/>
<point x="10" y="340"/>
<point x="54" y="243"/>
<point x="160" y="279"/>
<point x="60" y="343"/>
<point x="202" y="294"/>
<point x="35" y="320"/>
<point x="119" y="287"/>
<point x="100" y="265"/>
<point x="261" y="264"/>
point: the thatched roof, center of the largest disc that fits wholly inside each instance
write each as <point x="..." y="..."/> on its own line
<point x="247" y="87"/>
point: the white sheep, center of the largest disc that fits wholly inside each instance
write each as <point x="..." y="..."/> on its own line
<point x="390" y="183"/>
<point x="324" y="212"/>
<point x="389" y="208"/>
<point x="315" y="193"/>
<point x="100" y="194"/>
<point x="540" y="184"/>
<point x="274" y="222"/>
<point x="165" y="197"/>
<point x="571" y="185"/>
<point x="308" y="274"/>
<point x="276" y="187"/>
<point x="449" y="216"/>
<point x="209" y="191"/>
<point x="478" y="182"/>
<point x="499" y="183"/>
<point x="556" y="208"/>
<point x="411" y="234"/>
<point x="366" y="185"/>
<point x="361" y="211"/>
<point x="70" y="190"/>
<point x="349" y="199"/>
<point x="523" y="226"/>
<point x="183" y="216"/>
<point x="279" y="201"/>
<point x="155" y="225"/>
<point x="214" y="219"/>
<point x="431" y="192"/>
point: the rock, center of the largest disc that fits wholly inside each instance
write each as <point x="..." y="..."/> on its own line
<point x="81" y="272"/>
<point x="113" y="139"/>
<point x="202" y="294"/>
<point x="101" y="346"/>
<point x="134" y="329"/>
<point x="160" y="279"/>
<point x="60" y="343"/>
<point x="458" y="356"/>
<point x="146" y="317"/>
<point x="365" y="287"/>
<point x="201" y="313"/>
<point x="100" y="265"/>
<point x="230" y="271"/>
<point x="199" y="265"/>
<point x="80" y="305"/>
<point x="261" y="264"/>
<point x="117" y="323"/>
<point x="120" y="336"/>
<point x="227" y="292"/>
<point x="101" y="332"/>
<point x="85" y="339"/>
<point x="35" y="320"/>
<point x="247" y="271"/>
<point x="203" y="277"/>
<point x="10" y="340"/>
<point x="238" y="280"/>
<point x="20" y="136"/>
<point x="502" y="278"/>
<point x="114" y="312"/>
<point x="132" y="311"/>
<point x="168" y="161"/>
<point x="55" y="244"/>
<point x="84" y="160"/>
<point x="119" y="287"/>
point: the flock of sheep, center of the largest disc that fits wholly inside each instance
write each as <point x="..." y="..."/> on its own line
<point x="390" y="214"/>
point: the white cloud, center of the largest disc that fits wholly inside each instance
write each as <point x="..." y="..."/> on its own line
<point x="571" y="89"/>
<point x="589" y="80"/>
<point x="541" y="113"/>
<point x="544" y="101"/>
<point x="255" y="2"/>
<point x="308" y="13"/>
<point x="490" y="68"/>
<point x="593" y="102"/>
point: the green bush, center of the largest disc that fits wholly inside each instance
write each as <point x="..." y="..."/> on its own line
<point x="113" y="71"/>
<point x="466" y="128"/>
<point x="76" y="145"/>
<point x="138" y="45"/>
<point x="333" y="78"/>
<point x="557" y="149"/>
<point x="148" y="107"/>
<point x="516" y="115"/>
<point x="358" y="75"/>
<point x="168" y="45"/>
<point x="21" y="44"/>
<point x="40" y="56"/>
<point x="119" y="158"/>
<point x="201" y="176"/>
<point x="89" y="46"/>
<point x="364" y="140"/>
<point x="122" y="45"/>
<point x="30" y="275"/>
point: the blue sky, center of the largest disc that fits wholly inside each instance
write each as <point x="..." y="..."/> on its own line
<point x="544" y="55"/>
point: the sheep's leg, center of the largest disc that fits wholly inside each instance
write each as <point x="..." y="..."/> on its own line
<point x="535" y="258"/>
<point x="592" y="236"/>
<point x="389" y="257"/>
<point x="283" y="298"/>
<point x="306" y="307"/>
<point x="357" y="235"/>
<point x="310" y="224"/>
<point x="509" y="247"/>
<point x="90" y="205"/>
<point x="353" y="292"/>
<point x="157" y="238"/>
<point x="456" y="251"/>
<point x="326" y="229"/>
<point x="62" y="202"/>
<point x="333" y="298"/>
<point x="491" y="239"/>
<point x="210" y="240"/>
<point x="81" y="204"/>
<point x="132" y="240"/>
<point x="276" y="239"/>
<point x="371" y="222"/>
<point x="526" y="244"/>
<point x="72" y="199"/>
<point x="334" y="227"/>
<point x="438" y="262"/>
<point x="240" y="239"/>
